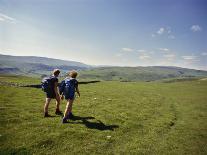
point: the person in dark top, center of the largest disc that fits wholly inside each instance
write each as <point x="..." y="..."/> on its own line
<point x="53" y="94"/>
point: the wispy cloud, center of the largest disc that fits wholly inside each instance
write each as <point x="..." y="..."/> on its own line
<point x="161" y="31"/>
<point x="141" y="51"/>
<point x="5" y="18"/>
<point x="6" y="50"/>
<point x="169" y="57"/>
<point x="196" y="28"/>
<point x="164" y="49"/>
<point x="168" y="29"/>
<point x="119" y="54"/>
<point x="171" y="37"/>
<point x="204" y="54"/>
<point x="127" y="49"/>
<point x="144" y="54"/>
<point x="164" y="31"/>
<point x="144" y="57"/>
<point x="190" y="60"/>
<point x="189" y="57"/>
<point x="153" y="35"/>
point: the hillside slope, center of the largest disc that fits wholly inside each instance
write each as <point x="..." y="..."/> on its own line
<point x="39" y="66"/>
<point x="140" y="73"/>
<point x="30" y="65"/>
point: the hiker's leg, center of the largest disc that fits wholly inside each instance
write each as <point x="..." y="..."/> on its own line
<point x="57" y="104"/>
<point x="68" y="108"/>
<point x="47" y="102"/>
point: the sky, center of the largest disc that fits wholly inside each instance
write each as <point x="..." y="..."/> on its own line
<point x="107" y="32"/>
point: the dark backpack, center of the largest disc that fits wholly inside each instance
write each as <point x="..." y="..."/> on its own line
<point x="62" y="87"/>
<point x="70" y="85"/>
<point x="67" y="86"/>
<point x="47" y="84"/>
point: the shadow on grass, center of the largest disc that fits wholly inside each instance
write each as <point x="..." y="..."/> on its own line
<point x="11" y="150"/>
<point x="75" y="118"/>
<point x="52" y="116"/>
<point x="99" y="125"/>
<point x="56" y="115"/>
<point x="40" y="86"/>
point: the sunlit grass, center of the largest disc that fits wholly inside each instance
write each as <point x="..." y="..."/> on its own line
<point x="112" y="118"/>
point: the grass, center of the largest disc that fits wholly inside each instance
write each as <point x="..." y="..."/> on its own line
<point x="111" y="118"/>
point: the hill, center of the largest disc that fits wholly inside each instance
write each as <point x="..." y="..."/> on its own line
<point x="31" y="65"/>
<point x="39" y="66"/>
<point x="140" y="73"/>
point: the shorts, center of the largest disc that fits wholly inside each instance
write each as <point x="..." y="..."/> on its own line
<point x="70" y="96"/>
<point x="51" y="95"/>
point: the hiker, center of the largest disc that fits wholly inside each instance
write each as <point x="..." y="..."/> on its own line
<point x="50" y="86"/>
<point x="70" y="87"/>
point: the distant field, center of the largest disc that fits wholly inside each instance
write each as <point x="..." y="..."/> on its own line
<point x="111" y="118"/>
<point x="152" y="73"/>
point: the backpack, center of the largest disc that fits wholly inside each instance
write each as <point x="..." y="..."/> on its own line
<point x="62" y="87"/>
<point x="47" y="84"/>
<point x="70" y="85"/>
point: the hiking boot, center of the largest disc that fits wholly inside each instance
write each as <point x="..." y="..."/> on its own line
<point x="64" y="120"/>
<point x="58" y="112"/>
<point x="70" y="116"/>
<point x="47" y="115"/>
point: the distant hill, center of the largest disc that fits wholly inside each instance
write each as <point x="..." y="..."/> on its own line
<point x="31" y="65"/>
<point x="141" y="73"/>
<point x="40" y="66"/>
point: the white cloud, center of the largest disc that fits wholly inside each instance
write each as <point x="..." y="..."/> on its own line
<point x="151" y="52"/>
<point x="190" y="61"/>
<point x="153" y="35"/>
<point x="5" y="18"/>
<point x="204" y="54"/>
<point x="144" y="57"/>
<point x="164" y="49"/>
<point x="189" y="57"/>
<point x="161" y="31"/>
<point x="195" y="28"/>
<point x="127" y="49"/>
<point x="7" y="50"/>
<point x="119" y="54"/>
<point x="141" y="51"/>
<point x="166" y="31"/>
<point x="169" y="55"/>
<point x="171" y="37"/>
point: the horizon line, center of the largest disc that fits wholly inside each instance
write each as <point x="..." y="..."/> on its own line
<point x="103" y="65"/>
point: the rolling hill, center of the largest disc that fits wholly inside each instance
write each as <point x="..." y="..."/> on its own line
<point x="39" y="66"/>
<point x="36" y="66"/>
<point x="140" y="73"/>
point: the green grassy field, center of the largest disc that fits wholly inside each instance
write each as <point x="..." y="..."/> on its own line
<point x="111" y="118"/>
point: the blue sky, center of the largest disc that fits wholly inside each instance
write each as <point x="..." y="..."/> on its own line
<point x="107" y="32"/>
